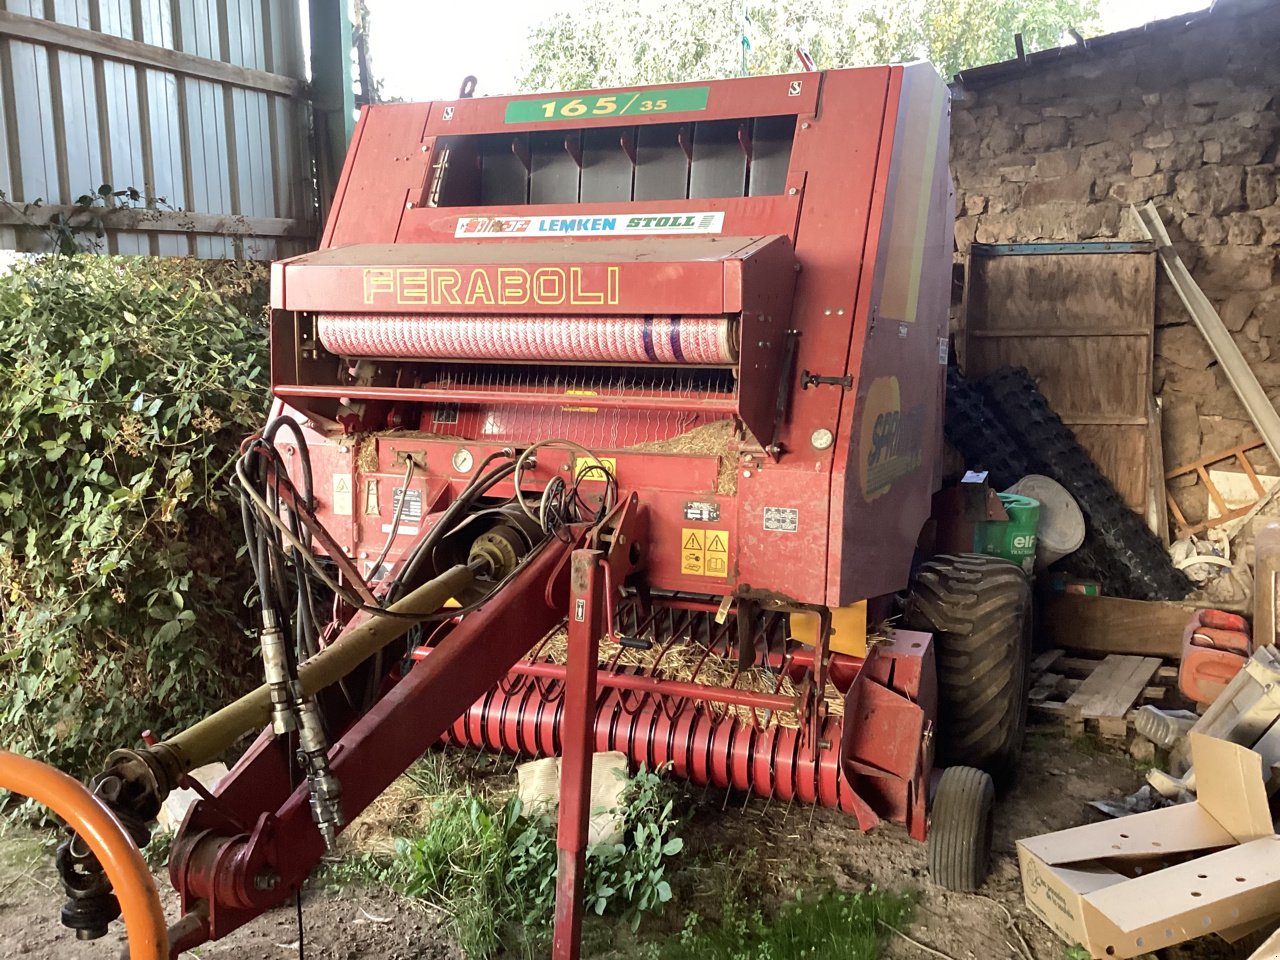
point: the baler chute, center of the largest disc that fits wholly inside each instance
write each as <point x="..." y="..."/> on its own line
<point x="645" y="387"/>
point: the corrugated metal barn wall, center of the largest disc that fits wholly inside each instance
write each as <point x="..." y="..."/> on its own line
<point x="199" y="102"/>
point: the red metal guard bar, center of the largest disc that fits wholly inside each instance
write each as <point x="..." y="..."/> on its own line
<point x="702" y="404"/>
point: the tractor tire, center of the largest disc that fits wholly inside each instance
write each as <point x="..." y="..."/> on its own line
<point x="1130" y="554"/>
<point x="978" y="609"/>
<point x="960" y="827"/>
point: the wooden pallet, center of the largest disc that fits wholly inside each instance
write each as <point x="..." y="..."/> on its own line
<point x="1098" y="695"/>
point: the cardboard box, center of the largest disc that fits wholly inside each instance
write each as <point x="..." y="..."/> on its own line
<point x="1131" y="886"/>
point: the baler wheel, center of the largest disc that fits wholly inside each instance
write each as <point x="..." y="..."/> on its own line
<point x="979" y="611"/>
<point x="960" y="824"/>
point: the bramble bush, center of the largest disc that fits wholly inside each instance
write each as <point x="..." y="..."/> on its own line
<point x="126" y="385"/>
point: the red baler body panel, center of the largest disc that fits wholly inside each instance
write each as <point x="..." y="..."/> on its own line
<point x="832" y="261"/>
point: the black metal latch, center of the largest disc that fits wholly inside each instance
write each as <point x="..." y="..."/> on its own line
<point x="808" y="380"/>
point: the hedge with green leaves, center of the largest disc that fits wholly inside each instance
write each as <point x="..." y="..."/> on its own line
<point x="125" y="388"/>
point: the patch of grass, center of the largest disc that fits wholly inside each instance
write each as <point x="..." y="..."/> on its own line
<point x="491" y="869"/>
<point x="851" y="926"/>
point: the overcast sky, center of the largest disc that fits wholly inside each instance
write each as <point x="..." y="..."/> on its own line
<point x="422" y="50"/>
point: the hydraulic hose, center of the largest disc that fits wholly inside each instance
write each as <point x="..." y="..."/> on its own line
<point x="207" y="739"/>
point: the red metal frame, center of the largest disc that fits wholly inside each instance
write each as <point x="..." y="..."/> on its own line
<point x="839" y="287"/>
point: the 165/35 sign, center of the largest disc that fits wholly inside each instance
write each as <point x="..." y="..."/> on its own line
<point x="634" y="103"/>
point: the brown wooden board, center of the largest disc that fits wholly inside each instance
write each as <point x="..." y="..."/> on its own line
<point x="1152" y="628"/>
<point x="1114" y="686"/>
<point x="1083" y="325"/>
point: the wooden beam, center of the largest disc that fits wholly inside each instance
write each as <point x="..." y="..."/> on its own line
<point x="51" y="34"/>
<point x="159" y="221"/>
<point x="1151" y="628"/>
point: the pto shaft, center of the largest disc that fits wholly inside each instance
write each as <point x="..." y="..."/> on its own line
<point x="209" y="738"/>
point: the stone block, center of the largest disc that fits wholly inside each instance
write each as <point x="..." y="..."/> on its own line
<point x="1226" y="270"/>
<point x="1069" y="109"/>
<point x="999" y="142"/>
<point x="1049" y="132"/>
<point x="1270" y="220"/>
<point x="1077" y="188"/>
<point x="1017" y="173"/>
<point x="1004" y="198"/>
<point x="1211" y="90"/>
<point x="1142" y="163"/>
<point x="1235" y="310"/>
<point x="1142" y="189"/>
<point x="1180" y="157"/>
<point x="1088" y="130"/>
<point x="964" y="125"/>
<point x="1245" y="145"/>
<point x="995" y="228"/>
<point x="1183" y="346"/>
<point x="1124" y="125"/>
<point x="1193" y="383"/>
<point x="1212" y="151"/>
<point x="1207" y="231"/>
<point x="974" y="204"/>
<point x="1260" y="186"/>
<point x="1212" y="190"/>
<point x="1222" y="400"/>
<point x="1057" y="163"/>
<point x="1179" y="428"/>
<point x="1244" y="228"/>
<point x="1017" y="115"/>
<point x="1198" y="114"/>
<point x="1158" y="139"/>
<point x="966" y="228"/>
<point x="1150" y="99"/>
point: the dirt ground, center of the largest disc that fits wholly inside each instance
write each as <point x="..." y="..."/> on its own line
<point x="796" y="849"/>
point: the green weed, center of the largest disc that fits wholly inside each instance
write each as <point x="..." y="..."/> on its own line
<point x="491" y="868"/>
<point x="847" y="925"/>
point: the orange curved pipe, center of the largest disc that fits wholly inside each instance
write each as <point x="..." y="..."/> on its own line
<point x="114" y="848"/>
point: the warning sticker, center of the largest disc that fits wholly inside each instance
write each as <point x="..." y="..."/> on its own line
<point x="342" y="494"/>
<point x="704" y="553"/>
<point x="781" y="519"/>
<point x="588" y="468"/>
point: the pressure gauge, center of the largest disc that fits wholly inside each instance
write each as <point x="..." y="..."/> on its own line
<point x="462" y="460"/>
<point x="822" y="438"/>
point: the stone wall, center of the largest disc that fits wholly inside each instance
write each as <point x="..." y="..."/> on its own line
<point x="1183" y="114"/>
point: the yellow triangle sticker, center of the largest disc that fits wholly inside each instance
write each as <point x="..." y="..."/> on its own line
<point x="716" y="544"/>
<point x="693" y="539"/>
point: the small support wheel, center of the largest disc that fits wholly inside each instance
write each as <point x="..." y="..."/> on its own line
<point x="960" y="823"/>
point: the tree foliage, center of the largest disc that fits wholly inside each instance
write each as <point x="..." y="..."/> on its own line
<point x="125" y="387"/>
<point x="601" y="44"/>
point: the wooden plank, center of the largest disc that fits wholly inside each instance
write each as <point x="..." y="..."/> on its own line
<point x="51" y="34"/>
<point x="1081" y="377"/>
<point x="1114" y="625"/>
<point x="160" y="221"/>
<point x="1123" y="451"/>
<point x="1157" y="492"/>
<point x="1045" y="661"/>
<point x="1063" y="291"/>
<point x="1083" y="325"/>
<point x="1114" y="686"/>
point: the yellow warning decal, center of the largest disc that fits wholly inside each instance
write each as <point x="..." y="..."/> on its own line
<point x="704" y="553"/>
<point x="588" y="468"/>
<point x="342" y="494"/>
<point x="581" y="393"/>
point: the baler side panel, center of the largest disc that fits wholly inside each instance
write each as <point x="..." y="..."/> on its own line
<point x="891" y="426"/>
<point x="385" y="168"/>
<point x="837" y="155"/>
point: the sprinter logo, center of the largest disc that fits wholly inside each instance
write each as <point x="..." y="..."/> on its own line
<point x="892" y="438"/>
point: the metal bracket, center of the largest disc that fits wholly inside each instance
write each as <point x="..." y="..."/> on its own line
<point x="808" y="380"/>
